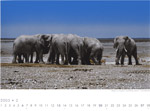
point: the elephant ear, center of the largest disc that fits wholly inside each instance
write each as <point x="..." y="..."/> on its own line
<point x="41" y="40"/>
<point x="127" y="39"/>
<point x="115" y="42"/>
<point x="49" y="39"/>
<point x="50" y="36"/>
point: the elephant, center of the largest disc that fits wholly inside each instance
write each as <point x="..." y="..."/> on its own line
<point x="93" y="49"/>
<point x="125" y="46"/>
<point x="66" y="45"/>
<point x="27" y="44"/>
<point x="76" y="49"/>
<point x="58" y="46"/>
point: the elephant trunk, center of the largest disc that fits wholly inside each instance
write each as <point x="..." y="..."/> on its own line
<point x="121" y="50"/>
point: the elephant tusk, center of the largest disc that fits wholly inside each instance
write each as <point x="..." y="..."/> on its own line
<point x="125" y="49"/>
<point x="117" y="49"/>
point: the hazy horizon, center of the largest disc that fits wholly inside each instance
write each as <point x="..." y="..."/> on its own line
<point x="98" y="19"/>
<point x="93" y="37"/>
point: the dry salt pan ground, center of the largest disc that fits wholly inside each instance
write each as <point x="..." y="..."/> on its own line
<point x="35" y="76"/>
<point x="105" y="76"/>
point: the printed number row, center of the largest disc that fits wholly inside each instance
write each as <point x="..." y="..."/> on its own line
<point x="76" y="105"/>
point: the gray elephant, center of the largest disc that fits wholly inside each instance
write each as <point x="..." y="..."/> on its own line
<point x="93" y="49"/>
<point x="75" y="49"/>
<point x="125" y="46"/>
<point x="27" y="44"/>
<point x="66" y="45"/>
<point x="58" y="47"/>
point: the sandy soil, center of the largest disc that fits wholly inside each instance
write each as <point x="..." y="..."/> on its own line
<point x="105" y="76"/>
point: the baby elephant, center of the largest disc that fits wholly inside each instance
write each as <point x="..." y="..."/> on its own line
<point x="125" y="46"/>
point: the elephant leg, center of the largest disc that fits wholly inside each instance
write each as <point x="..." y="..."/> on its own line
<point x="99" y="56"/>
<point x="122" y="59"/>
<point x="31" y="60"/>
<point x="75" y="61"/>
<point x="79" y="61"/>
<point x="41" y="57"/>
<point x="136" y="59"/>
<point x="83" y="61"/>
<point x="49" y="58"/>
<point x="74" y="57"/>
<point x="117" y="58"/>
<point x="130" y="60"/>
<point x="87" y="59"/>
<point x="78" y="58"/>
<point x="57" y="58"/>
<point x="27" y="58"/>
<point x="53" y="58"/>
<point x="117" y="61"/>
<point x="19" y="59"/>
<point x="28" y="55"/>
<point x="84" y="58"/>
<point x="78" y="54"/>
<point x="37" y="58"/>
<point x="69" y="60"/>
<point x="66" y="59"/>
<point x="62" y="59"/>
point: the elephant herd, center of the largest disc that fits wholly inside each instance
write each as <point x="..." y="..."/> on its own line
<point x="69" y="49"/>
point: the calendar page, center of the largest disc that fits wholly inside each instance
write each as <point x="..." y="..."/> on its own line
<point x="67" y="55"/>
